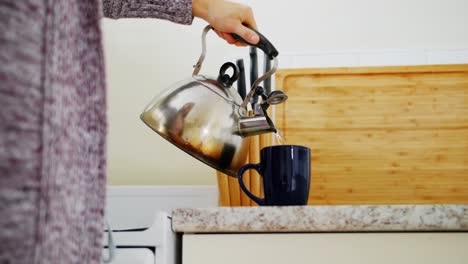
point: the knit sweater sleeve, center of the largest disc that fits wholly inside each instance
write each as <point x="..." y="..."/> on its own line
<point x="178" y="11"/>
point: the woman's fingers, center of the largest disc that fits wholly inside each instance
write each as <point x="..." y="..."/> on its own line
<point x="227" y="18"/>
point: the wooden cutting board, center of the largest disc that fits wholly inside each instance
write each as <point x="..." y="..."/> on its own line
<point x="380" y="135"/>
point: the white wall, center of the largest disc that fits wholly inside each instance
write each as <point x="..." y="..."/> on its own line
<point x="144" y="56"/>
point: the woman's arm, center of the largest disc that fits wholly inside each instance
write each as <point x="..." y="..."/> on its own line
<point x="226" y="17"/>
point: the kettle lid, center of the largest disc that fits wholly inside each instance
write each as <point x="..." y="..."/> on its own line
<point x="230" y="95"/>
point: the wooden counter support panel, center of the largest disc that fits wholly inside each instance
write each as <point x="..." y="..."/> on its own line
<point x="245" y="200"/>
<point x="254" y="158"/>
<point x="223" y="189"/>
<point x="380" y="135"/>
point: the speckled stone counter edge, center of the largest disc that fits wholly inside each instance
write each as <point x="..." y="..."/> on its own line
<point x="368" y="218"/>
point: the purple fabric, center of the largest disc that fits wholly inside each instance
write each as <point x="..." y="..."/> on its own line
<point x="178" y="11"/>
<point x="53" y="124"/>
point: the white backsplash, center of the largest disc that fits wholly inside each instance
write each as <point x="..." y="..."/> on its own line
<point x="131" y="207"/>
<point x="355" y="58"/>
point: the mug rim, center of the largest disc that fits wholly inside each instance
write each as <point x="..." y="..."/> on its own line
<point x="287" y="145"/>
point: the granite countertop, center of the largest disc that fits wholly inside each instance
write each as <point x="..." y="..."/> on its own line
<point x="367" y="218"/>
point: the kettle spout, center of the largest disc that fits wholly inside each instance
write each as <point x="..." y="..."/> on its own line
<point x="256" y="125"/>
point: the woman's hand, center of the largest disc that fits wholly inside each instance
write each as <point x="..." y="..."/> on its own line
<point x="226" y="18"/>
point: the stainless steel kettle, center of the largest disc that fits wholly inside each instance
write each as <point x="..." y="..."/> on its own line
<point x="206" y="117"/>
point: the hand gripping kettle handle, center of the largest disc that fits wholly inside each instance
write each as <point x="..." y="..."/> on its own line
<point x="264" y="44"/>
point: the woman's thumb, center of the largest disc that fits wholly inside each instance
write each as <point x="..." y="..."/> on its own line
<point x="247" y="34"/>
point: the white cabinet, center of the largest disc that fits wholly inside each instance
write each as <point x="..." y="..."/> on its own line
<point x="326" y="248"/>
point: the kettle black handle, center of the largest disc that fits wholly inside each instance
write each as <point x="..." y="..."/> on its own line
<point x="264" y="44"/>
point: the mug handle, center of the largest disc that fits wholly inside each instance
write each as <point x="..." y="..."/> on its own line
<point x="256" y="167"/>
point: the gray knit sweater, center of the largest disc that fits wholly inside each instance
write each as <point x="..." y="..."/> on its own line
<point x="53" y="124"/>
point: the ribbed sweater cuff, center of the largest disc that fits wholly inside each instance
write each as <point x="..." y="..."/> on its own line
<point x="178" y="11"/>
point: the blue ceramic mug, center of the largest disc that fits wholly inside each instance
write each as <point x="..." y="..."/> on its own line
<point x="285" y="171"/>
